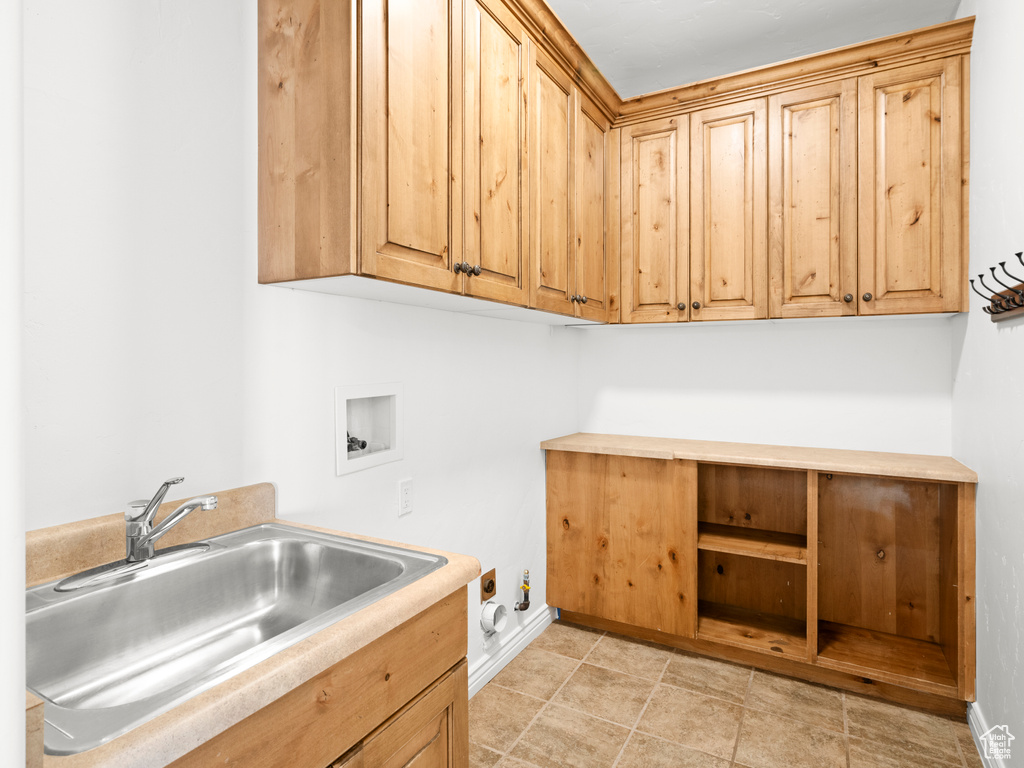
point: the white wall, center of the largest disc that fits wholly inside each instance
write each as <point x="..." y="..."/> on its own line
<point x="151" y="351"/>
<point x="12" y="521"/>
<point x="988" y="393"/>
<point x="135" y="211"/>
<point x="858" y="383"/>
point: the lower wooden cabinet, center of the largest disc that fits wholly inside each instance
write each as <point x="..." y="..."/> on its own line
<point x="852" y="569"/>
<point x="430" y="732"/>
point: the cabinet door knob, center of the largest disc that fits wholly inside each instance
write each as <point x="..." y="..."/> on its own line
<point x="848" y="298"/>
<point x="583" y="299"/>
<point x="867" y="297"/>
<point x="681" y="306"/>
<point x="574" y="298"/>
<point x="475" y="270"/>
<point x="696" y="305"/>
<point x="457" y="267"/>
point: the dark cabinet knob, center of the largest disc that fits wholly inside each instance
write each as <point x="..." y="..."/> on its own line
<point x="457" y="267"/>
<point x="681" y="306"/>
<point x="574" y="298"/>
<point x="867" y="297"/>
<point x="475" y="270"/>
<point x="696" y="305"/>
<point x="583" y="299"/>
<point x="848" y="298"/>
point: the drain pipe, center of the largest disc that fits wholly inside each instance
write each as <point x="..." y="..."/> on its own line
<point x="526" y="592"/>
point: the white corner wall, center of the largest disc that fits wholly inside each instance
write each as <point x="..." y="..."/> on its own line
<point x="988" y="393"/>
<point x="880" y="384"/>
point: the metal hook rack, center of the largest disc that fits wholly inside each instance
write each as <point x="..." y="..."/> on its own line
<point x="1006" y="303"/>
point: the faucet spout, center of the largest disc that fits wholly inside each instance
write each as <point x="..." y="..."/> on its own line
<point x="140" y="535"/>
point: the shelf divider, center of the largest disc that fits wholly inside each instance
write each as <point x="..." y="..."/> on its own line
<point x="766" y="545"/>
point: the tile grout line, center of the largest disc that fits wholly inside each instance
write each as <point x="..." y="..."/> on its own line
<point x="640" y="716"/>
<point x="508" y="753"/>
<point x="846" y="730"/>
<point x="743" y="713"/>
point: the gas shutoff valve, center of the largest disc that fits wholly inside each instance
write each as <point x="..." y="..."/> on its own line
<point x="526" y="592"/>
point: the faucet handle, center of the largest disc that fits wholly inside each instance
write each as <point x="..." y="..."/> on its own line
<point x="135" y="510"/>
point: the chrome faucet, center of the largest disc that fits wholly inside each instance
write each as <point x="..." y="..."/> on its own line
<point x="140" y="535"/>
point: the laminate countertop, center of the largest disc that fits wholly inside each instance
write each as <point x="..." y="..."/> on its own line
<point x="906" y="465"/>
<point x="173" y="734"/>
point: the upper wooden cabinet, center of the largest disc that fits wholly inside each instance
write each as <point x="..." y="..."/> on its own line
<point x="812" y="200"/>
<point x="572" y="238"/>
<point x="655" y="216"/>
<point x="910" y="189"/>
<point x="728" y="213"/>
<point x="411" y="123"/>
<point x="496" y="190"/>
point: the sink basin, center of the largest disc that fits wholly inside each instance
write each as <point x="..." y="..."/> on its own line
<point x="132" y="643"/>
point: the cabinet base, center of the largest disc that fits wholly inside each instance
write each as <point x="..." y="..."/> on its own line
<point x="941" y="705"/>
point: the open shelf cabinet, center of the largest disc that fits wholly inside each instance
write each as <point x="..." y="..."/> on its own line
<point x="834" y="567"/>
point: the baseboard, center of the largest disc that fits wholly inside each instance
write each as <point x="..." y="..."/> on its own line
<point x="509" y="644"/>
<point x="980" y="726"/>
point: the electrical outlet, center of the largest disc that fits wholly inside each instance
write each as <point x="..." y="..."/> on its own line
<point x="404" y="497"/>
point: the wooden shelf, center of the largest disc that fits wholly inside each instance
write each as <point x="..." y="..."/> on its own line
<point x="887" y="658"/>
<point x="766" y="545"/>
<point x="776" y="635"/>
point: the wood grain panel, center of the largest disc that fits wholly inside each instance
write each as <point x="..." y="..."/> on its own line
<point x="812" y="566"/>
<point x="729" y="216"/>
<point x="496" y="186"/>
<point x="551" y="194"/>
<point x="761" y="632"/>
<point x="752" y="584"/>
<point x="328" y="714"/>
<point x="879" y="555"/>
<point x="621" y="535"/>
<point x="655" y="268"/>
<point x="307" y="206"/>
<point x="752" y="497"/>
<point x="910" y="189"/>
<point x="812" y="156"/>
<point x="594" y="267"/>
<point x="411" y="141"/>
<point x="956" y="583"/>
<point x="430" y="732"/>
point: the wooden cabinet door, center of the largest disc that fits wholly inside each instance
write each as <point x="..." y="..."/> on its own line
<point x="655" y="237"/>
<point x="496" y="186"/>
<point x="552" y="256"/>
<point x="621" y="538"/>
<point x="812" y="200"/>
<point x="728" y="213"/>
<point x="432" y="732"/>
<point x="910" y="172"/>
<point x="412" y="141"/>
<point x="594" y="247"/>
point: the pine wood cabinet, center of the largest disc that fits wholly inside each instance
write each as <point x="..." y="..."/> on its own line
<point x="496" y="86"/>
<point x="910" y="186"/>
<point x="728" y="212"/>
<point x="430" y="732"/>
<point x="655" y="221"/>
<point x="572" y="236"/>
<point x="849" y="568"/>
<point x="812" y="200"/>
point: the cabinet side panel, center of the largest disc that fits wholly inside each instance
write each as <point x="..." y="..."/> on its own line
<point x="956" y="525"/>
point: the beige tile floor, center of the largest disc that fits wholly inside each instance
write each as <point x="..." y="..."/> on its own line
<point x="577" y="697"/>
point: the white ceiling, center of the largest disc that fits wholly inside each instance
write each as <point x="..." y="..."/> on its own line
<point x="647" y="45"/>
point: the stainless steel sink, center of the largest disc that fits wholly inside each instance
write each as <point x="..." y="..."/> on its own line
<point x="132" y="644"/>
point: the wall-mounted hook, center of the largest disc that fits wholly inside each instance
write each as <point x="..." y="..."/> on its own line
<point x="1019" y="301"/>
<point x="987" y="309"/>
<point x="1011" y="276"/>
<point x="996" y="298"/>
